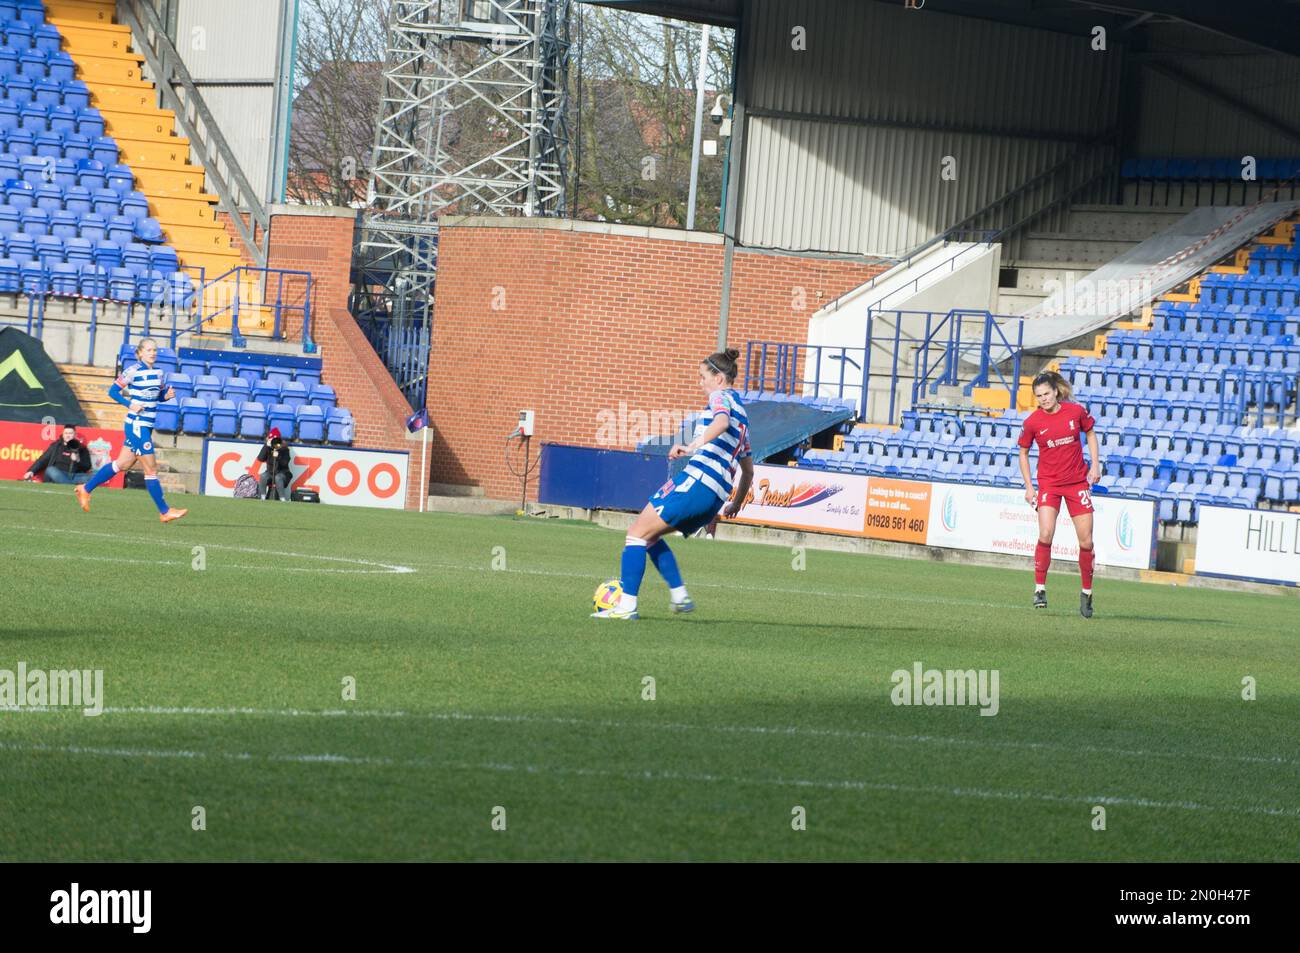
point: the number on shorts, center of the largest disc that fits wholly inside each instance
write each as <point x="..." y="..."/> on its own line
<point x="1085" y="499"/>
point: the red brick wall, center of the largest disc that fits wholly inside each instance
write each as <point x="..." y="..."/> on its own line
<point x="323" y="246"/>
<point x="236" y="243"/>
<point x="571" y="323"/>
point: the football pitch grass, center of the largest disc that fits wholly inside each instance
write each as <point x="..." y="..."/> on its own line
<point x="480" y="683"/>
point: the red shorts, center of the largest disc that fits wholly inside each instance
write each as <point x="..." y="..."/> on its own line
<point x="1078" y="498"/>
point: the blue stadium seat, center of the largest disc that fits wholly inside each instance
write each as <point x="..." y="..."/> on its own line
<point x="267" y="393"/>
<point x="236" y="389"/>
<point x="225" y="419"/>
<point x="167" y="360"/>
<point x="194" y="416"/>
<point x="339" y="429"/>
<point x="282" y="416"/>
<point x="207" y="388"/>
<point x="252" y="419"/>
<point x="293" y="393"/>
<point x="323" y="396"/>
<point x="168" y="416"/>
<point x="311" y="423"/>
<point x="180" y="381"/>
<point x="94" y="281"/>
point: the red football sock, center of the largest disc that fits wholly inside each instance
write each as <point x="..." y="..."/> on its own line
<point x="1042" y="559"/>
<point x="1085" y="566"/>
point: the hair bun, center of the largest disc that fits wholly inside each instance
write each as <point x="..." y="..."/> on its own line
<point x="731" y="353"/>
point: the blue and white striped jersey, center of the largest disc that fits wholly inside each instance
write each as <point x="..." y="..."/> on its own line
<point x="715" y="462"/>
<point x="147" y="385"/>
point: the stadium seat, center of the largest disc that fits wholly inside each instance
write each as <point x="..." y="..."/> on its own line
<point x="194" y="416"/>
<point x="323" y="396"/>
<point x="168" y="416"/>
<point x="207" y="388"/>
<point x="339" y="429"/>
<point x="236" y="389"/>
<point x="282" y="416"/>
<point x="266" y="393"/>
<point x="293" y="393"/>
<point x="311" y="423"/>
<point x="180" y="382"/>
<point x="252" y="419"/>
<point x="225" y="419"/>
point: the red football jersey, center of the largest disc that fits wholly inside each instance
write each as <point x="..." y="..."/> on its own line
<point x="1060" y="444"/>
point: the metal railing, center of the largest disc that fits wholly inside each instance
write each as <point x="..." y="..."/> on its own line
<point x="953" y="348"/>
<point x="147" y="305"/>
<point x="285" y="293"/>
<point x="404" y="349"/>
<point x="1268" y="391"/>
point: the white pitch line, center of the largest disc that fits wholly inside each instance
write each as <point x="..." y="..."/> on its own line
<point x="847" y="784"/>
<point x="777" y="731"/>
<point x="189" y="544"/>
<point x="182" y="565"/>
<point x="732" y="587"/>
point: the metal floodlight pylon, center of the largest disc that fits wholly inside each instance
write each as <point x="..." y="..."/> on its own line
<point x="472" y="122"/>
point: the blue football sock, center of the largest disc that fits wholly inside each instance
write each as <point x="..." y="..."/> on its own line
<point x="155" y="490"/>
<point x="633" y="565"/>
<point x="666" y="563"/>
<point x="102" y="475"/>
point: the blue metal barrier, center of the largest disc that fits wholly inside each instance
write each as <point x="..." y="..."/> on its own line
<point x="147" y="301"/>
<point x="953" y="348"/>
<point x="1240" y="388"/>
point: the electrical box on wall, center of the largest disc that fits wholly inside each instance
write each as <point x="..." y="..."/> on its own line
<point x="525" y="423"/>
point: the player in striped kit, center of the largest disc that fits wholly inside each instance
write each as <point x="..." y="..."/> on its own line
<point x="139" y="389"/>
<point x="696" y="494"/>
<point x="1058" y="427"/>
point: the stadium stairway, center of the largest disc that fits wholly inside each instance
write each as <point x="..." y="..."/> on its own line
<point x="1094" y="234"/>
<point x="90" y="385"/>
<point x="149" y="145"/>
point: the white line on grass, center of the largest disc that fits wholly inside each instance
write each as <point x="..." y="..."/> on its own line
<point x="778" y="731"/>
<point x="847" y="784"/>
<point x="893" y="596"/>
<point x="378" y="566"/>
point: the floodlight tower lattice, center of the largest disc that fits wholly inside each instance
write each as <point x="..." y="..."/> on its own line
<point x="472" y="121"/>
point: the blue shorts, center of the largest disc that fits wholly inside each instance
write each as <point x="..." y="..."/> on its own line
<point x="686" y="504"/>
<point x="139" y="439"/>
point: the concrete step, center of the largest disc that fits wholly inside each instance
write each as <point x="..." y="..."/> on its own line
<point x="472" y="505"/>
<point x="1130" y="223"/>
<point x="90" y="385"/>
<point x="455" y="489"/>
<point x="1019" y="301"/>
<point x="1064" y="246"/>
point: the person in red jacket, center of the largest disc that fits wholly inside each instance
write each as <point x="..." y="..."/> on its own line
<point x="1059" y="426"/>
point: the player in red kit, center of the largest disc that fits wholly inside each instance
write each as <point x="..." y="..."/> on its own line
<point x="1058" y="427"/>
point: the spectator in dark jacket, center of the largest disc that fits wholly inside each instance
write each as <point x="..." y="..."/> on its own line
<point x="67" y="460"/>
<point x="274" y="455"/>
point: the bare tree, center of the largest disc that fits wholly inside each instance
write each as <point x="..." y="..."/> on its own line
<point x="634" y="88"/>
<point x="341" y="45"/>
